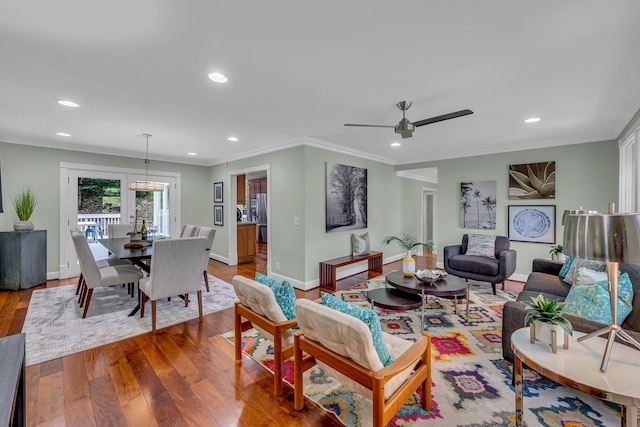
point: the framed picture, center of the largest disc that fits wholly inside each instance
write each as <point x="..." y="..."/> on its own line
<point x="478" y="205"/>
<point x="532" y="181"/>
<point x="217" y="192"/>
<point x="532" y="223"/>
<point x="218" y="214"/>
<point x="346" y="198"/>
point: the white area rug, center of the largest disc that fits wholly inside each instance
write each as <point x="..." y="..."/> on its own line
<point x="55" y="328"/>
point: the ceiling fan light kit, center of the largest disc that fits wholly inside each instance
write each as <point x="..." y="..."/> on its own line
<point x="406" y="127"/>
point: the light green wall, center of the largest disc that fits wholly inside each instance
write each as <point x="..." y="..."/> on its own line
<point x="586" y="175"/>
<point x="39" y="168"/>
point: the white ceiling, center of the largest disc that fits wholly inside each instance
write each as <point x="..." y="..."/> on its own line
<point x="299" y="69"/>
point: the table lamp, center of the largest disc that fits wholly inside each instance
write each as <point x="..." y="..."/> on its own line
<point x="612" y="238"/>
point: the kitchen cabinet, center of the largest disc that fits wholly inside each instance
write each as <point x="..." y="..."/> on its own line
<point x="241" y="189"/>
<point x="256" y="186"/>
<point x="246" y="237"/>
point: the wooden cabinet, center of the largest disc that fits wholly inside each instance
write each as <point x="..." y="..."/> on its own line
<point x="246" y="242"/>
<point x="241" y="189"/>
<point x="256" y="186"/>
<point x="23" y="259"/>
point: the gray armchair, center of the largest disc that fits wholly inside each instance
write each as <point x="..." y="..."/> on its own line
<point x="481" y="268"/>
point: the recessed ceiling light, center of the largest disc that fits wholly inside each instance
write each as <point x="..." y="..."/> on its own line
<point x="532" y="120"/>
<point x="395" y="144"/>
<point x="67" y="103"/>
<point x="63" y="134"/>
<point x="218" y="77"/>
<point x="191" y="154"/>
<point x="233" y="139"/>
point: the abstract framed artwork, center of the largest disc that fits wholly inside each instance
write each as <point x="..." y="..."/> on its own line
<point x="478" y="204"/>
<point x="217" y="192"/>
<point x="218" y="215"/>
<point x="346" y="198"/>
<point x="532" y="223"/>
<point x="532" y="181"/>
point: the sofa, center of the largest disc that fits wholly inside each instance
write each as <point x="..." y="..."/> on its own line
<point x="544" y="280"/>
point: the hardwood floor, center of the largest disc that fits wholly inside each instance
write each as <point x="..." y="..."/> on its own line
<point x="183" y="376"/>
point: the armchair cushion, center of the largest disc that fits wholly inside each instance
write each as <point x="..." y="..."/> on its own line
<point x="368" y="317"/>
<point x="284" y="293"/>
<point x="475" y="264"/>
<point x="481" y="245"/>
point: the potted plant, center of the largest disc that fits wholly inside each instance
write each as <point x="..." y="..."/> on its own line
<point x="408" y="242"/>
<point x="548" y="321"/>
<point x="24" y="204"/>
<point x="556" y="252"/>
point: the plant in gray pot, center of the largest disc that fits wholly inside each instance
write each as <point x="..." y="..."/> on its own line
<point x="24" y="204"/>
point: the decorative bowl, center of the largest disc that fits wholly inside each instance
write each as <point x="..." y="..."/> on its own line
<point x="429" y="276"/>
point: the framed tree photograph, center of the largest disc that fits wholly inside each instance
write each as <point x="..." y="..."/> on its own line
<point x="217" y="192"/>
<point x="218" y="215"/>
<point x="532" y="223"/>
<point x="346" y="198"/>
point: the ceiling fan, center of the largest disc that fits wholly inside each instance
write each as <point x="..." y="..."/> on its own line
<point x="406" y="128"/>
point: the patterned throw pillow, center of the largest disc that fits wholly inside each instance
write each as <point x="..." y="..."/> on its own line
<point x="285" y="295"/>
<point x="482" y="245"/>
<point x="360" y="244"/>
<point x="368" y="316"/>
<point x="591" y="300"/>
<point x="578" y="263"/>
<point x="565" y="268"/>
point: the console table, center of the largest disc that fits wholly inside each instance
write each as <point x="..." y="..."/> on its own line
<point x="23" y="259"/>
<point x="578" y="367"/>
<point x="12" y="381"/>
<point x="328" y="268"/>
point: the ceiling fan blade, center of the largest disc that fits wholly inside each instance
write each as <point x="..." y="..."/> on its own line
<point x="442" y="118"/>
<point x="370" y="126"/>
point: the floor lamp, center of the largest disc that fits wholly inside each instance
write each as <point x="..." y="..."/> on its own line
<point x="612" y="238"/>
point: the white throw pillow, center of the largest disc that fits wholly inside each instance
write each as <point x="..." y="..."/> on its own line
<point x="586" y="275"/>
<point x="482" y="245"/>
<point x="360" y="244"/>
<point x="578" y="263"/>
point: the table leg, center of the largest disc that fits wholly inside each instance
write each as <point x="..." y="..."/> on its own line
<point x="467" y="297"/>
<point x="517" y="373"/>
<point x="455" y="305"/>
<point x="629" y="416"/>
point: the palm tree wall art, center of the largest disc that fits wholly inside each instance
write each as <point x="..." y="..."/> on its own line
<point x="478" y="204"/>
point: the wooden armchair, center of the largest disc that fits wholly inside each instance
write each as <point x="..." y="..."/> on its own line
<point x="257" y="304"/>
<point x="343" y="347"/>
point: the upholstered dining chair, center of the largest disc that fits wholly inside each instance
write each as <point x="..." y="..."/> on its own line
<point x="342" y="346"/>
<point x="209" y="234"/>
<point x="117" y="231"/>
<point x="257" y="303"/>
<point x="94" y="276"/>
<point x="485" y="263"/>
<point x="176" y="269"/>
<point x="189" y="230"/>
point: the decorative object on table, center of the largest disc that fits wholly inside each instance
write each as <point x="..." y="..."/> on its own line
<point x="532" y="181"/>
<point x="218" y="215"/>
<point x="346" y="198"/>
<point x="143" y="230"/>
<point x="532" y="223"/>
<point x="24" y="204"/>
<point x="430" y="276"/>
<point x="547" y="322"/>
<point x="218" y="195"/>
<point x="146" y="185"/>
<point x="556" y="252"/>
<point x="137" y="245"/>
<point x="408" y="242"/>
<point x="612" y="238"/>
<point x="477" y="204"/>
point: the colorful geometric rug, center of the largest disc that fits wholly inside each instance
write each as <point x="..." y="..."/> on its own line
<point x="471" y="382"/>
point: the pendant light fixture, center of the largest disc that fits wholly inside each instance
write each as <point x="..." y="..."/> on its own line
<point x="146" y="185"/>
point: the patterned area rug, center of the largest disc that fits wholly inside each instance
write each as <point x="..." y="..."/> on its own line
<point x="471" y="381"/>
<point x="55" y="328"/>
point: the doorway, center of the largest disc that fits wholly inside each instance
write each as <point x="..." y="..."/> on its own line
<point x="429" y="209"/>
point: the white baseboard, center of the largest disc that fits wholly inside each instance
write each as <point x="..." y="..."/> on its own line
<point x="220" y="258"/>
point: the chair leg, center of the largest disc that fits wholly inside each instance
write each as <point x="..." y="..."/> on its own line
<point x="80" y="279"/>
<point x="298" y="397"/>
<point x="83" y="294"/>
<point x="143" y="299"/>
<point x="86" y="306"/>
<point x="277" y="365"/>
<point x="493" y="287"/>
<point x="206" y="280"/>
<point x="200" y="305"/>
<point x="237" y="328"/>
<point x="153" y="317"/>
<point x="186" y="300"/>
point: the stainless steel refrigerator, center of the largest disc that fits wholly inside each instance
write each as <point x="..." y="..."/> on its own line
<point x="261" y="216"/>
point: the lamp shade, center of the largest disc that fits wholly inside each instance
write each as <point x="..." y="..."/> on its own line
<point x="603" y="237"/>
<point x="146" y="186"/>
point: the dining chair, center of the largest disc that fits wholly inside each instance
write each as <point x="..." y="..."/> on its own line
<point x="209" y="234"/>
<point x="117" y="231"/>
<point x="189" y="230"/>
<point x="176" y="269"/>
<point x="94" y="276"/>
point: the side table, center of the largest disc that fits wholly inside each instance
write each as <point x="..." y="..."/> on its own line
<point x="578" y="367"/>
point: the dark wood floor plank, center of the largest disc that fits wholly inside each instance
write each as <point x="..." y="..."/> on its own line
<point x="78" y="404"/>
<point x="50" y="406"/>
<point x="106" y="405"/>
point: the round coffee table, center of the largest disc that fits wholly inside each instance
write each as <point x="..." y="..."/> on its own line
<point x="394" y="299"/>
<point x="448" y="287"/>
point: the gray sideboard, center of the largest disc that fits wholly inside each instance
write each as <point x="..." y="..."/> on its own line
<point x="23" y="259"/>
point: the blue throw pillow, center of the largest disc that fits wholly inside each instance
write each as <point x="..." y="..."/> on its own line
<point x="368" y="316"/>
<point x="285" y="295"/>
<point x="565" y="267"/>
<point x="591" y="300"/>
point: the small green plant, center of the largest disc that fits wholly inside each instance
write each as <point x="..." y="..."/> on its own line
<point x="556" y="249"/>
<point x="408" y="242"/>
<point x="548" y="311"/>
<point x="25" y="203"/>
